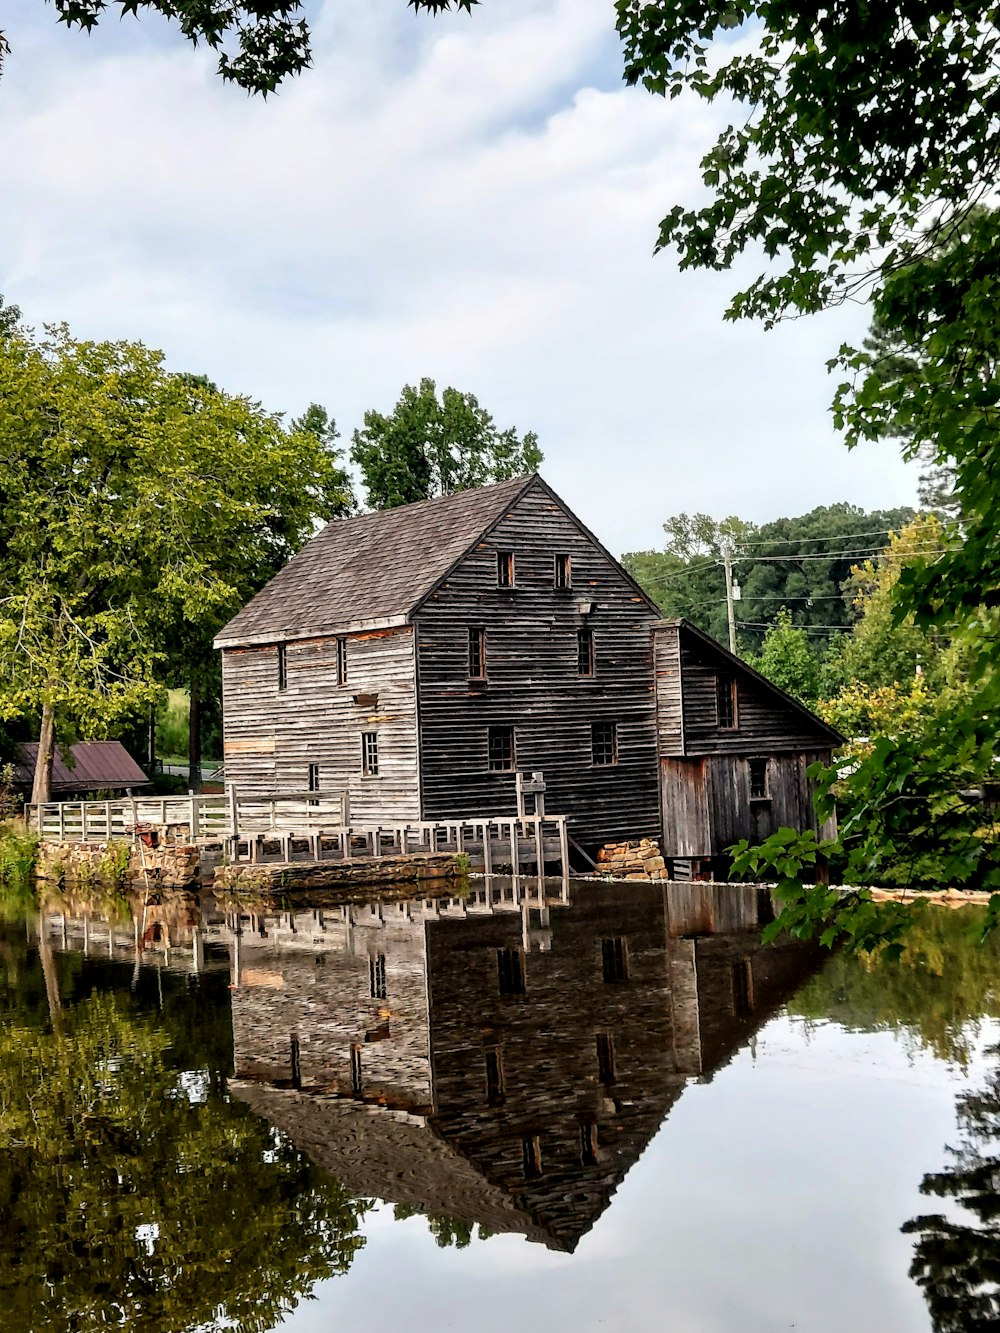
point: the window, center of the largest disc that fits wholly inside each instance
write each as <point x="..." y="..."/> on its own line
<point x="501" y="749"/>
<point x="605" y="1057"/>
<point x="369" y="754"/>
<point x="477" y="654"/>
<point x="314" y="780"/>
<point x="758" y="779"/>
<point x="282" y="666"/>
<point x="356" y="1084"/>
<point x="588" y="1144"/>
<point x="341" y="661"/>
<point x="295" y="1062"/>
<point x="725" y="702"/>
<point x="532" y="1157"/>
<point x="510" y="971"/>
<point x="505" y="569"/>
<point x="614" y="959"/>
<point x="742" y="988"/>
<point x="585" y="650"/>
<point x="376" y="975"/>
<point x="604" y="742"/>
<point x="563" y="572"/>
<point x="494" y="1077"/>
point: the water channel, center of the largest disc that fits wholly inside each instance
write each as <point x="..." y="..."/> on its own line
<point x="582" y="1107"/>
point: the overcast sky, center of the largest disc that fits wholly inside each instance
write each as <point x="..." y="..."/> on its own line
<point x="473" y="199"/>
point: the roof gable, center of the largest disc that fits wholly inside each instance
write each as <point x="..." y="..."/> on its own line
<point x="95" y="764"/>
<point x="372" y="569"/>
<point x="762" y="685"/>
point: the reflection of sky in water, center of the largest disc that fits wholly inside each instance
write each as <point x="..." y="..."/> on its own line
<point x="771" y="1198"/>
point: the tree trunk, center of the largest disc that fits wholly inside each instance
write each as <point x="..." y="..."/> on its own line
<point x="41" y="788"/>
<point x="194" y="735"/>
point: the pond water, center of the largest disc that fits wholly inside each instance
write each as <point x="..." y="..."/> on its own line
<point x="590" y="1107"/>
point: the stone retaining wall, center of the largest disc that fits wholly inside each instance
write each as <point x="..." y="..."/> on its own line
<point x="640" y="860"/>
<point x="117" y="862"/>
<point x="329" y="874"/>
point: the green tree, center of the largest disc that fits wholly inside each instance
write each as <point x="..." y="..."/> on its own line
<point x="430" y="445"/>
<point x="788" y="659"/>
<point x="138" y="511"/>
<point x="127" y="1198"/>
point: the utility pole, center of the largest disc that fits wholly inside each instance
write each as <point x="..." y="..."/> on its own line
<point x="727" y="565"/>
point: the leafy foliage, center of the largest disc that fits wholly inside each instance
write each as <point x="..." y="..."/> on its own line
<point x="787" y="658"/>
<point x="430" y="445"/>
<point x="131" y="1195"/>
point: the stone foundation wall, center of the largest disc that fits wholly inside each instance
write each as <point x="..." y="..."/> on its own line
<point x="332" y="874"/>
<point x="640" y="860"/>
<point x="117" y="862"/>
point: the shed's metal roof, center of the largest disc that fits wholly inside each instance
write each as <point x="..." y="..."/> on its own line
<point x="95" y="765"/>
<point x="372" y="569"/>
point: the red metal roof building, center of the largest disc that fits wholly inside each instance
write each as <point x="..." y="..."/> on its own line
<point x="92" y="766"/>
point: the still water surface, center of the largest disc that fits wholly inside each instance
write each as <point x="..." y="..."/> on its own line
<point x="605" y="1107"/>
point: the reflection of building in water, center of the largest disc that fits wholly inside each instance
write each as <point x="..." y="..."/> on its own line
<point x="497" y="1060"/>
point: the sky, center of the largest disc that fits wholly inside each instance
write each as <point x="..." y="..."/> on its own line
<point x="470" y="198"/>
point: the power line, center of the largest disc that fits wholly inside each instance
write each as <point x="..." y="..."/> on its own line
<point x="834" y="537"/>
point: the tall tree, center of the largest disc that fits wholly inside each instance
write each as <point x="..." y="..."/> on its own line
<point x="430" y="445"/>
<point x="138" y="511"/>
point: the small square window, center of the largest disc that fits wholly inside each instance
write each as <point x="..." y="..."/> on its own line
<point x="758" y="779"/>
<point x="604" y="742"/>
<point x="341" y="661"/>
<point x="605" y="1057"/>
<point x="477" y="654"/>
<point x="501" y="749"/>
<point x="494" y="1077"/>
<point x="357" y="1087"/>
<point x="376" y="976"/>
<point x="742" y="988"/>
<point x="314" y="777"/>
<point x="564" y="577"/>
<point x="505" y="569"/>
<point x="282" y="666"/>
<point x="532" y="1157"/>
<point x="510" y="971"/>
<point x="585" y="650"/>
<point x="614" y="959"/>
<point x="369" y="754"/>
<point x="588" y="1143"/>
<point x="725" y="702"/>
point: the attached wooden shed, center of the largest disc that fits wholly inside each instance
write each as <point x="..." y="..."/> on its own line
<point x="733" y="750"/>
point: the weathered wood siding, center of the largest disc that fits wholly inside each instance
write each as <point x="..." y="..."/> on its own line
<point x="669" y="689"/>
<point x="707" y="805"/>
<point x="765" y="723"/>
<point x="533" y="682"/>
<point x="273" y="735"/>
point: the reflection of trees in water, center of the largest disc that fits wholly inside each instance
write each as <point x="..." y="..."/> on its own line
<point x="447" y="1231"/>
<point x="944" y="983"/>
<point x="132" y="1194"/>
<point x="956" y="1261"/>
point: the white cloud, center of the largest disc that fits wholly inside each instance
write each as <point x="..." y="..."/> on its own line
<point x="470" y="199"/>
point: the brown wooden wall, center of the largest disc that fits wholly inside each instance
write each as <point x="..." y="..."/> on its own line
<point x="669" y="689"/>
<point x="272" y="735"/>
<point x="766" y="723"/>
<point x="533" y="681"/>
<point x="707" y="805"/>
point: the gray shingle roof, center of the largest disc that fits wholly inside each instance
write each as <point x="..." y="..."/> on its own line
<point x="372" y="569"/>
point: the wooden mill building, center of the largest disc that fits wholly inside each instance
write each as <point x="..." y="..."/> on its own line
<point x="419" y="657"/>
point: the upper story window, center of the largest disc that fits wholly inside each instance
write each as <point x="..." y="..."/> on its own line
<point x="604" y="743"/>
<point x="376" y="976"/>
<point x="758" y="779"/>
<point x="282" y="666"/>
<point x="510" y="971"/>
<point x="614" y="959"/>
<point x="314" y="780"/>
<point x="369" y="754"/>
<point x="505" y="569"/>
<point x="585" y="650"/>
<point x="727" y="713"/>
<point x="564" y="573"/>
<point x="341" y="661"/>
<point x="477" y="654"/>
<point x="501" y="749"/>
